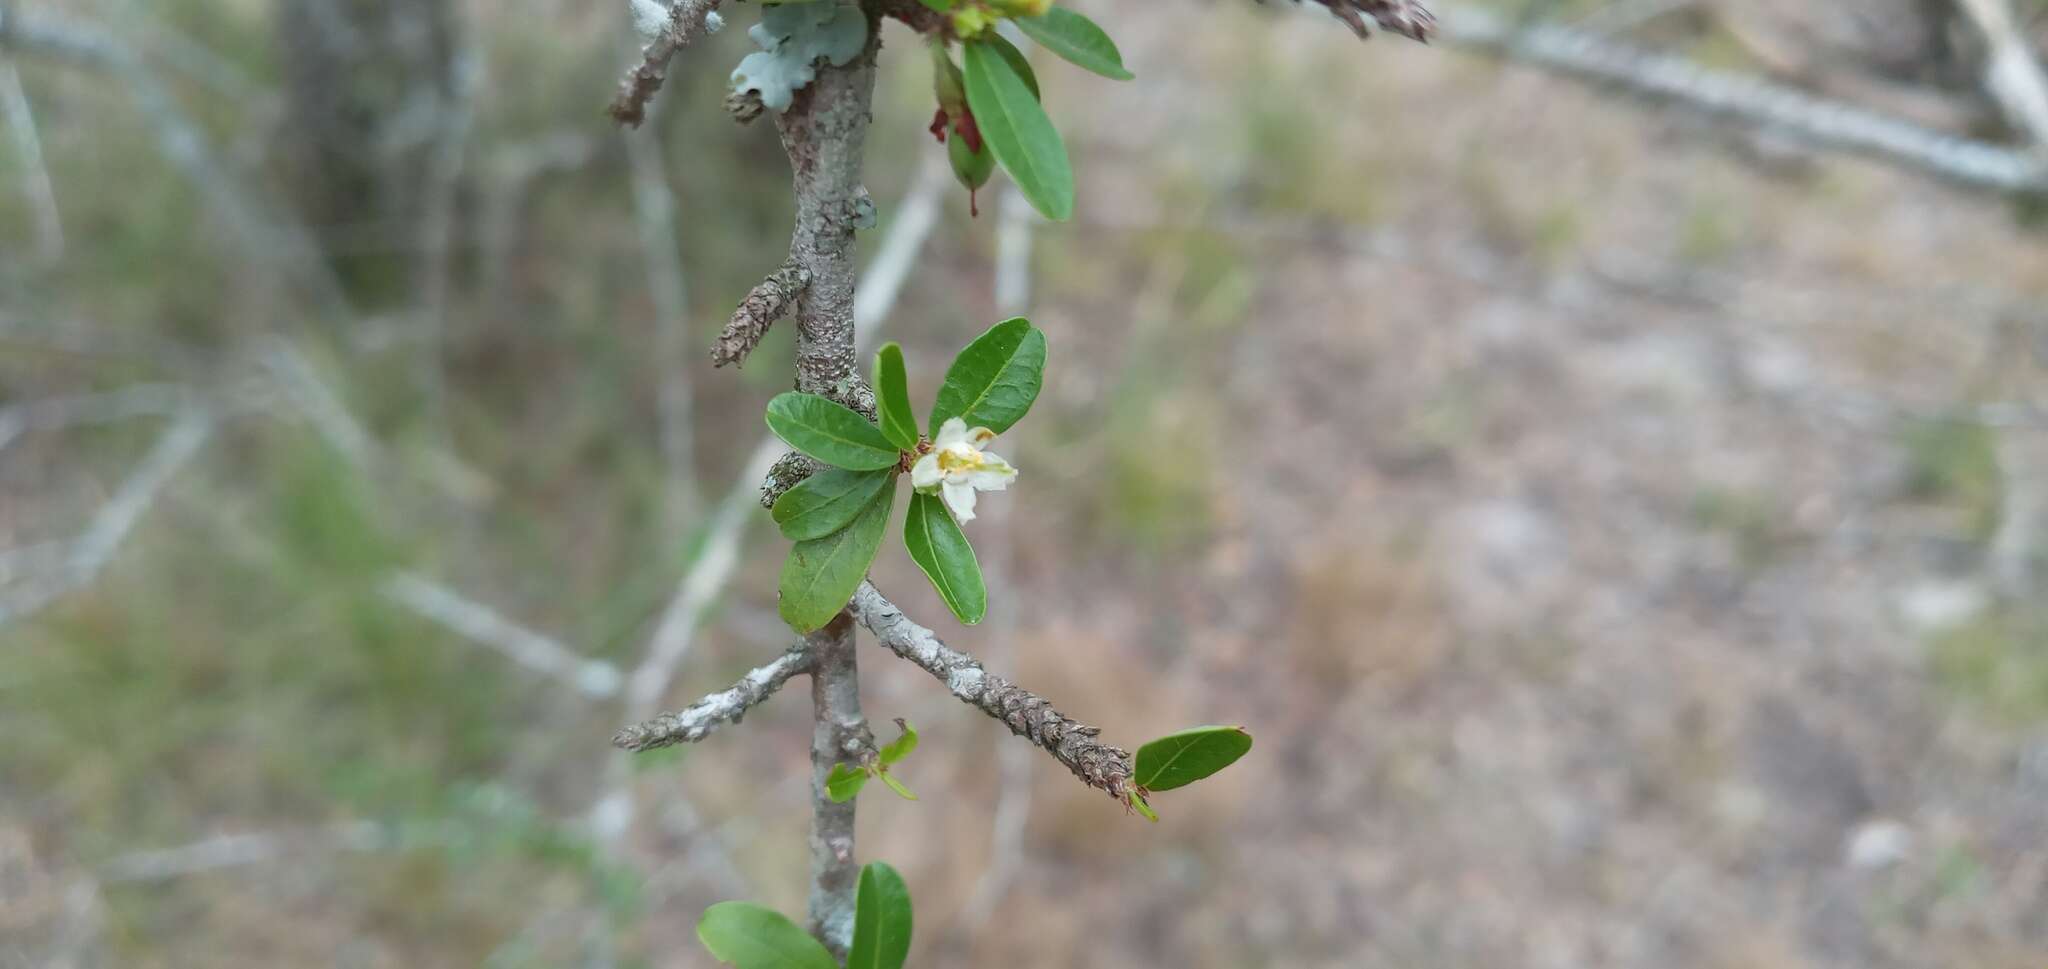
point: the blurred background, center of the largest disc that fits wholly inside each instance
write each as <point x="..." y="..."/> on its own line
<point x="1619" y="527"/>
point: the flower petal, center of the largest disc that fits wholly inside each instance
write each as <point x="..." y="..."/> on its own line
<point x="959" y="496"/>
<point x="951" y="433"/>
<point x="924" y="475"/>
<point x="989" y="479"/>
<point x="980" y="436"/>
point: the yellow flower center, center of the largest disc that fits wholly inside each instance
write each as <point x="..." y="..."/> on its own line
<point x="960" y="459"/>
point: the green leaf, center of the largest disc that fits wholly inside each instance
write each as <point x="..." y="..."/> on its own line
<point x="752" y="937"/>
<point x="1179" y="759"/>
<point x="940" y="548"/>
<point x="1076" y="38"/>
<point x="1138" y="804"/>
<point x="897" y="786"/>
<point x="881" y="920"/>
<point x="822" y="573"/>
<point x="845" y="782"/>
<point x="939" y="5"/>
<point x="1017" y="61"/>
<point x="901" y="747"/>
<point x="830" y="432"/>
<point x="993" y="382"/>
<point x="827" y="501"/>
<point x="892" y="398"/>
<point x="1017" y="130"/>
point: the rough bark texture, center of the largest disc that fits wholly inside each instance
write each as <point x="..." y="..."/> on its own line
<point x="1027" y="714"/>
<point x="687" y="21"/>
<point x="839" y="733"/>
<point x="824" y="133"/>
<point x="767" y="302"/>
<point x="699" y="719"/>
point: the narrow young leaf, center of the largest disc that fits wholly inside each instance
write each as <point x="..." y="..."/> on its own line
<point x="892" y="398"/>
<point x="822" y="573"/>
<point x="830" y="432"/>
<point x="897" y="786"/>
<point x="1078" y="39"/>
<point x="844" y="783"/>
<point x="901" y="747"/>
<point x="993" y="382"/>
<point x="1179" y="759"/>
<point x="827" y="501"/>
<point x="940" y="548"/>
<point x="1016" y="59"/>
<point x="1017" y="130"/>
<point x="881" y="920"/>
<point x="749" y="936"/>
<point x="1145" y="810"/>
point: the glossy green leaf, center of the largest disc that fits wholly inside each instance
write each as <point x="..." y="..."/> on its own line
<point x="993" y="382"/>
<point x="749" y="936"/>
<point x="831" y="432"/>
<point x="822" y="573"/>
<point x="892" y="398"/>
<point x="940" y="548"/>
<point x="827" y="501"/>
<point x="1017" y="130"/>
<point x="845" y="782"/>
<point x="901" y="747"/>
<point x="897" y="786"/>
<point x="1078" y="39"/>
<point x="881" y="920"/>
<point x="1183" y="758"/>
<point x="1017" y="61"/>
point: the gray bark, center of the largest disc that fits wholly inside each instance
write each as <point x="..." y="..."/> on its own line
<point x="839" y="733"/>
<point x="824" y="132"/>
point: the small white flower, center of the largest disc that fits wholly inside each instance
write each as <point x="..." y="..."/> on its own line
<point x="956" y="467"/>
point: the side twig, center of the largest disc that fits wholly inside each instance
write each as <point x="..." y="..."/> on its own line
<point x="1815" y="121"/>
<point x="769" y="300"/>
<point x="699" y="719"/>
<point x="688" y="20"/>
<point x="1027" y="714"/>
<point x="481" y="624"/>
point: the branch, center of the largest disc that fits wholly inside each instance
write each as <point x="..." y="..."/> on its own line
<point x="839" y="734"/>
<point x="42" y="196"/>
<point x="2012" y="77"/>
<point x="768" y="301"/>
<point x="481" y="624"/>
<point x="89" y="554"/>
<point x="824" y="133"/>
<point x="1027" y="714"/>
<point x="241" y="850"/>
<point x="229" y="193"/>
<point x="688" y="20"/>
<point x="1408" y="18"/>
<point x="699" y="719"/>
<point x="876" y="295"/>
<point x="654" y="213"/>
<point x="1816" y="121"/>
<point x="706" y="579"/>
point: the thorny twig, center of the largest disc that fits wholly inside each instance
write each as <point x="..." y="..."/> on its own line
<point x="688" y="20"/>
<point x="769" y="300"/>
<point x="699" y="719"/>
<point x="1027" y="714"/>
<point x="1405" y="17"/>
